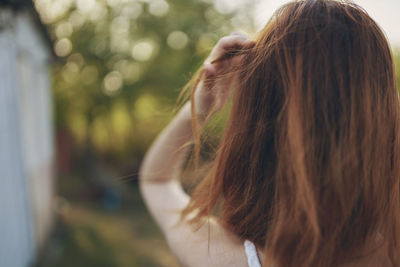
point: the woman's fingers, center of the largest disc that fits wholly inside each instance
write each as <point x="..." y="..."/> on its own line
<point x="236" y="60"/>
<point x="226" y="44"/>
<point x="215" y="85"/>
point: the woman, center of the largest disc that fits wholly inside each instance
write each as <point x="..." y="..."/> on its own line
<point x="307" y="171"/>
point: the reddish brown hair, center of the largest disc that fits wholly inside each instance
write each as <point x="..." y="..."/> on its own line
<point x="308" y="167"/>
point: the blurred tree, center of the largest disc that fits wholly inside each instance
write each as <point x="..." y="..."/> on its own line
<point x="125" y="63"/>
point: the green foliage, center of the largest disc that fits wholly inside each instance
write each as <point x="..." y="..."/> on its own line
<point x="87" y="235"/>
<point x="125" y="63"/>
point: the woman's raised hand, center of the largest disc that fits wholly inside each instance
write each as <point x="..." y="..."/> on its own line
<point x="216" y="83"/>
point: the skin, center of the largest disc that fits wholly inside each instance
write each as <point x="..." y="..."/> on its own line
<point x="211" y="244"/>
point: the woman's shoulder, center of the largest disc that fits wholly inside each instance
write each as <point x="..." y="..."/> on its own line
<point x="207" y="244"/>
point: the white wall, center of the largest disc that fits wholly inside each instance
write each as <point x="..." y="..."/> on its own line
<point x="26" y="140"/>
<point x="36" y="121"/>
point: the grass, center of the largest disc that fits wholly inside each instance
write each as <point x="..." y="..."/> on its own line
<point x="88" y="235"/>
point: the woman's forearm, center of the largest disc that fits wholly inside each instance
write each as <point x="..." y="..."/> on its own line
<point x="165" y="158"/>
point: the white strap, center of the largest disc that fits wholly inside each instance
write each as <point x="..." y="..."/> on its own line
<point x="251" y="253"/>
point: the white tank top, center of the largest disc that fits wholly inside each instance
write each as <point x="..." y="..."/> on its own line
<point x="251" y="254"/>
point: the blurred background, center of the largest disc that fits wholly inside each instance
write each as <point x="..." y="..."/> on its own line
<point x="85" y="86"/>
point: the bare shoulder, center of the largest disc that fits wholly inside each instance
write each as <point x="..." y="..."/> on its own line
<point x="207" y="245"/>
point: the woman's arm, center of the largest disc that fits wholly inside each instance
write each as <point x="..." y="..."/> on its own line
<point x="159" y="185"/>
<point x="160" y="168"/>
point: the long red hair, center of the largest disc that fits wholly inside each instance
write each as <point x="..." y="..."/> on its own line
<point x="308" y="166"/>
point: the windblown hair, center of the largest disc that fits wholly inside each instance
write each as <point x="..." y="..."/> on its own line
<point x="308" y="166"/>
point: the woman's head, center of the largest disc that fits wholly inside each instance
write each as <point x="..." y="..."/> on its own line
<point x="309" y="163"/>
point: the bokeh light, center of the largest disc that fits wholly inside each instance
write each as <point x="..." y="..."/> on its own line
<point x="63" y="47"/>
<point x="64" y="30"/>
<point x="113" y="82"/>
<point x="143" y="50"/>
<point x="177" y="40"/>
<point x="158" y="8"/>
